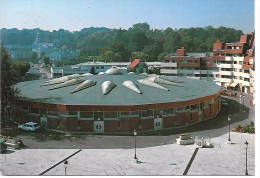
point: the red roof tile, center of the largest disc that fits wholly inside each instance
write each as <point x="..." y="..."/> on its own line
<point x="134" y="63"/>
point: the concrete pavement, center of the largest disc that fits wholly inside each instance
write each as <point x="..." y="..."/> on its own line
<point x="171" y="159"/>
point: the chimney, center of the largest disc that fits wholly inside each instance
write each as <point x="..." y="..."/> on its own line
<point x="181" y="52"/>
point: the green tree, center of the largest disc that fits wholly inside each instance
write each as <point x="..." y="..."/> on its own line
<point x="139" y="55"/>
<point x="118" y="48"/>
<point x="143" y="27"/>
<point x="21" y="68"/>
<point x="110" y="56"/>
<point x="161" y="56"/>
<point x="46" y="60"/>
<point x="152" y="51"/>
<point x="8" y="90"/>
<point x="58" y="64"/>
<point x="139" y="40"/>
<point x="34" y="57"/>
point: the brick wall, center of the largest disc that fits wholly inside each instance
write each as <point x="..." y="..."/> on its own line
<point x="34" y="118"/>
<point x="111" y="126"/>
<point x="129" y="124"/>
<point x="147" y="124"/>
<point x="169" y="121"/>
<point x="86" y="125"/>
<point x="52" y="123"/>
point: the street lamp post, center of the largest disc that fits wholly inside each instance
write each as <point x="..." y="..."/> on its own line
<point x="135" y="134"/>
<point x="229" y="119"/>
<point x="65" y="166"/>
<point x="246" y="145"/>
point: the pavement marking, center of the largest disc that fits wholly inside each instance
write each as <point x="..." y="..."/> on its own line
<point x="190" y="162"/>
<point x="60" y="162"/>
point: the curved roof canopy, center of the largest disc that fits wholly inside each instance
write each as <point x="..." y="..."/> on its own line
<point x="119" y="89"/>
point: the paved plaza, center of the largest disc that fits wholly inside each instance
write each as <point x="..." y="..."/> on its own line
<point x="171" y="159"/>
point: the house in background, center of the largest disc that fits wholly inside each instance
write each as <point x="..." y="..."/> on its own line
<point x="138" y="67"/>
<point x="62" y="55"/>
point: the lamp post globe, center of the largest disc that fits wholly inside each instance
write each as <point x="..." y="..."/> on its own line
<point x="65" y="166"/>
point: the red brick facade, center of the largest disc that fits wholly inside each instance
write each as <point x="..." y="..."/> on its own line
<point x="57" y="120"/>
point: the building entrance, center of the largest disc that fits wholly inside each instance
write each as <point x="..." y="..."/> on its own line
<point x="99" y="126"/>
<point x="158" y="123"/>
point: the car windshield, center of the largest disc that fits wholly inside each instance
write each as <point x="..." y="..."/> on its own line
<point x="35" y="125"/>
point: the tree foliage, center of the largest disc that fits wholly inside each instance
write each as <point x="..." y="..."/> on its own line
<point x="20" y="68"/>
<point x="140" y="38"/>
<point x="8" y="90"/>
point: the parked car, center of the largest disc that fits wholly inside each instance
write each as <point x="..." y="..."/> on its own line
<point x="29" y="126"/>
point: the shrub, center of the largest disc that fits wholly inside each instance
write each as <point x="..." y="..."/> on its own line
<point x="250" y="128"/>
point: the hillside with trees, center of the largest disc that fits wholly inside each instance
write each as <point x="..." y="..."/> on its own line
<point x="122" y="45"/>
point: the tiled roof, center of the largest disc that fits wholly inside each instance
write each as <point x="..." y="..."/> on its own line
<point x="134" y="63"/>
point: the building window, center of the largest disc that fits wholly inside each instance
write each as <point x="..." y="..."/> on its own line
<point x="189" y="61"/>
<point x="35" y="110"/>
<point x="158" y="112"/>
<point x="86" y="114"/>
<point x="52" y="112"/>
<point x="194" y="107"/>
<point x="147" y="113"/>
<point x="98" y="115"/>
<point x="110" y="115"/>
<point x="168" y="111"/>
<point x="129" y="113"/>
<point x="180" y="109"/>
<point x="72" y="113"/>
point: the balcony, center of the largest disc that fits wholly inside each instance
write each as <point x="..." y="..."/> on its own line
<point x="237" y="66"/>
<point x="168" y="64"/>
<point x="229" y="58"/>
<point x="245" y="75"/>
<point x="169" y="71"/>
<point x="226" y="80"/>
<point x="225" y="65"/>
<point x="230" y="73"/>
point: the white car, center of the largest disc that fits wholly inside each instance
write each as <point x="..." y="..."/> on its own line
<point x="29" y="126"/>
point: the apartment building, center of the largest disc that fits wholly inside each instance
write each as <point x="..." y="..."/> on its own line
<point x="231" y="65"/>
<point x="192" y="65"/>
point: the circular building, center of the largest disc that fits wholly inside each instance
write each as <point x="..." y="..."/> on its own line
<point x="115" y="103"/>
